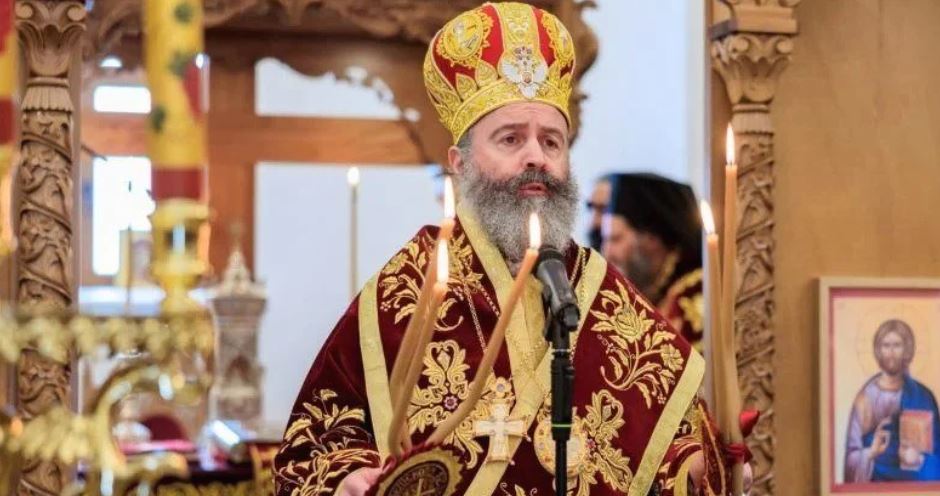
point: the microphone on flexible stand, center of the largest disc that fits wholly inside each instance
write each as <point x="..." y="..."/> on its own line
<point x="563" y="318"/>
<point x="551" y="272"/>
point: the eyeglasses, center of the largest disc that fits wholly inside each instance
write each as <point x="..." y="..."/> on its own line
<point x="595" y="206"/>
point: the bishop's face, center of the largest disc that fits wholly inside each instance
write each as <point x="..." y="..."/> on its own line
<point x="516" y="164"/>
<point x="522" y="137"/>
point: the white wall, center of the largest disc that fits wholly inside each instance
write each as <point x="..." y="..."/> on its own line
<point x="645" y="106"/>
<point x="302" y="254"/>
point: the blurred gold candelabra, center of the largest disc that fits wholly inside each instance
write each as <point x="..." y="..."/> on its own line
<point x="162" y="348"/>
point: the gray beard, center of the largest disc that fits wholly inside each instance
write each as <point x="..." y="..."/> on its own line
<point x="504" y="216"/>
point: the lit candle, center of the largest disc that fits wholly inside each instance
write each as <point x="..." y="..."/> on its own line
<point x="399" y="435"/>
<point x="498" y="336"/>
<point x="731" y="396"/>
<point x="729" y="256"/>
<point x="713" y="286"/>
<point x="447" y="225"/>
<point x="404" y="356"/>
<point x="352" y="177"/>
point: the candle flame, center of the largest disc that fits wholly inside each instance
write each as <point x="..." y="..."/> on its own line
<point x="729" y="146"/>
<point x="352" y="176"/>
<point x="448" y="198"/>
<point x="708" y="220"/>
<point x="535" y="231"/>
<point x="16" y="427"/>
<point x="442" y="262"/>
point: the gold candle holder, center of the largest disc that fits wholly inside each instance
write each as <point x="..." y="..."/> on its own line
<point x="176" y="264"/>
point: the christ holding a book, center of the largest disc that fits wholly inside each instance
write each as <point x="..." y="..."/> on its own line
<point x="894" y="427"/>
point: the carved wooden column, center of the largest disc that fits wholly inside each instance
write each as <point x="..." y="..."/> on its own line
<point x="49" y="32"/>
<point x="750" y="50"/>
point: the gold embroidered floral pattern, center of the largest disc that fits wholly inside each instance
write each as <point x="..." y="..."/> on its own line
<point x="639" y="354"/>
<point x="328" y="433"/>
<point x="244" y="488"/>
<point x="515" y="69"/>
<point x="467" y="281"/>
<point x="603" y="420"/>
<point x="561" y="43"/>
<point x="686" y="442"/>
<point x="401" y="279"/>
<point x="464" y="37"/>
<point x="445" y="369"/>
<point x="516" y="491"/>
<point x="694" y="310"/>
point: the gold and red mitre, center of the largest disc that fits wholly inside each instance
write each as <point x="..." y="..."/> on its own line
<point x="494" y="55"/>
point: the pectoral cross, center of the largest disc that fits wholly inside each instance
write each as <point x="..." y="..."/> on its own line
<point x="499" y="427"/>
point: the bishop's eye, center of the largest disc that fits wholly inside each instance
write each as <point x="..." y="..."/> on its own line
<point x="510" y="139"/>
<point x="551" y="143"/>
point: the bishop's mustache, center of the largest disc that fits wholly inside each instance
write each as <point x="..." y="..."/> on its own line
<point x="552" y="184"/>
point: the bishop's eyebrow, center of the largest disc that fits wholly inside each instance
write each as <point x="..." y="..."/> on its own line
<point x="514" y="126"/>
<point x="555" y="132"/>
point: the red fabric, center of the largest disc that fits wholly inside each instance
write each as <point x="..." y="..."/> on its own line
<point x="169" y="183"/>
<point x="6" y="120"/>
<point x="449" y="69"/>
<point x="163" y="427"/>
<point x="748" y="419"/>
<point x="492" y="51"/>
<point x="716" y="459"/>
<point x="493" y="48"/>
<point x="739" y="452"/>
<point x="318" y="454"/>
<point x="679" y="308"/>
<point x="6" y="22"/>
<point x="193" y="85"/>
<point x="545" y="45"/>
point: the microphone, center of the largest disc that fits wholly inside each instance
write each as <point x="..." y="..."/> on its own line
<point x="550" y="271"/>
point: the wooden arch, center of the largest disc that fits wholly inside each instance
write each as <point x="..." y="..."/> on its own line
<point x="387" y="38"/>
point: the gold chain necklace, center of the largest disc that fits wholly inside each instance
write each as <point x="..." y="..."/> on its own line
<point x="528" y="353"/>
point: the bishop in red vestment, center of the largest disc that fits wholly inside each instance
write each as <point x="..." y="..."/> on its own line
<point x="500" y="77"/>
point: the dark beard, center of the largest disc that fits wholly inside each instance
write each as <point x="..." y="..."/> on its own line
<point x="504" y="216"/>
<point x="595" y="238"/>
<point x="640" y="272"/>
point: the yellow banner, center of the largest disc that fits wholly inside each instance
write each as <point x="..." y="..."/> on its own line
<point x="7" y="61"/>
<point x="8" y="84"/>
<point x="173" y="50"/>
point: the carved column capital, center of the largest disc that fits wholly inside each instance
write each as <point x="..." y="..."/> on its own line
<point x="751" y="64"/>
<point x="750" y="50"/>
<point x="49" y="31"/>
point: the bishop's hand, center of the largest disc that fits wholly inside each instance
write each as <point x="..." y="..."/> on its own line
<point x="697" y="473"/>
<point x="358" y="482"/>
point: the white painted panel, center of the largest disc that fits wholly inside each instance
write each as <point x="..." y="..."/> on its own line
<point x="282" y="91"/>
<point x="302" y="254"/>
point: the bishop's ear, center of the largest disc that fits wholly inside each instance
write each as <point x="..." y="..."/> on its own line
<point x="454" y="161"/>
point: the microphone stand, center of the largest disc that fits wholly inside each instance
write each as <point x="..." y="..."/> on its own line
<point x="558" y="327"/>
